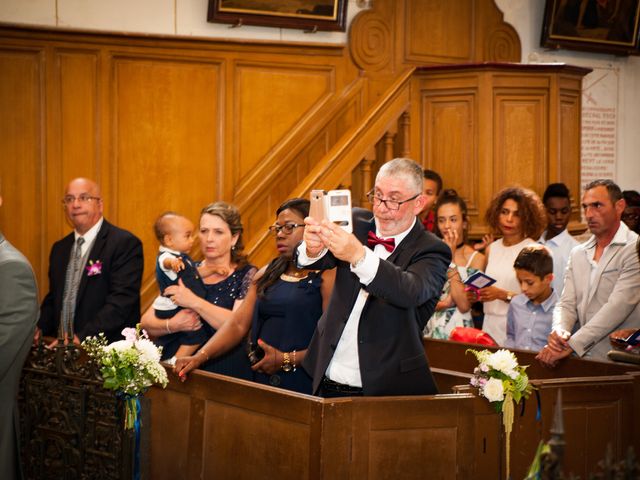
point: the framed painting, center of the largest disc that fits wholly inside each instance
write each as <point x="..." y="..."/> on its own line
<point x="310" y="15"/>
<point x="606" y="26"/>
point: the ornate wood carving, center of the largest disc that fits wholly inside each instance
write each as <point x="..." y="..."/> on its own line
<point x="502" y="45"/>
<point x="71" y="427"/>
<point x="371" y="41"/>
<point x="393" y="35"/>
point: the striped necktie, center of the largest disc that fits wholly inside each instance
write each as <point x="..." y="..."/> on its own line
<point x="71" y="283"/>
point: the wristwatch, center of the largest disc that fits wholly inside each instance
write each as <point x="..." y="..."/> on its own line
<point x="286" y="362"/>
<point x="509" y="296"/>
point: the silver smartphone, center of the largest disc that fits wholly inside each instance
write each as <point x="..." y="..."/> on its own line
<point x="338" y="208"/>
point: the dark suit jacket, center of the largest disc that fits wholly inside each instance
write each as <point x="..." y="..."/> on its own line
<point x="18" y="315"/>
<point x="107" y="302"/>
<point x="402" y="297"/>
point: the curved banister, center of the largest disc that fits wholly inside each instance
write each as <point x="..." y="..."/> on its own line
<point x="348" y="152"/>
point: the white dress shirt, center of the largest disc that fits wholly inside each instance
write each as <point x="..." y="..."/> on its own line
<point x="344" y="366"/>
<point x="560" y="246"/>
<point x="89" y="237"/>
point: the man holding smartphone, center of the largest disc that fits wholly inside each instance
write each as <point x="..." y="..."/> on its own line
<point x="390" y="273"/>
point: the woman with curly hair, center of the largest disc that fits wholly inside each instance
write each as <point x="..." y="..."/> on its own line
<point x="517" y="215"/>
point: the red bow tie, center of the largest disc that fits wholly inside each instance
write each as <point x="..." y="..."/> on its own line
<point x="373" y="240"/>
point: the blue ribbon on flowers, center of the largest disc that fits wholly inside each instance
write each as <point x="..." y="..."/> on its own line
<point x="538" y="409"/>
<point x="136" y="425"/>
<point x="136" y="458"/>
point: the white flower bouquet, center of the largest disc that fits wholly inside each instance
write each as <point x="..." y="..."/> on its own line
<point x="498" y="377"/>
<point x="502" y="381"/>
<point x="128" y="366"/>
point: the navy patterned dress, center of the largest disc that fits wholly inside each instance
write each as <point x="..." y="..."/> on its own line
<point x="285" y="319"/>
<point x="234" y="363"/>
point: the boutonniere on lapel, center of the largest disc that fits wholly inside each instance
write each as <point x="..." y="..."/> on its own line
<point x="94" y="268"/>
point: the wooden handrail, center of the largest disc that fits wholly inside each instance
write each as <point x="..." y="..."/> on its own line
<point x="294" y="143"/>
<point x="350" y="149"/>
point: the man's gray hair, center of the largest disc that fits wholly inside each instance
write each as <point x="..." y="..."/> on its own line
<point x="404" y="167"/>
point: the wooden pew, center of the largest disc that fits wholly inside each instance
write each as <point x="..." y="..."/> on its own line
<point x="214" y="426"/>
<point x="600" y="405"/>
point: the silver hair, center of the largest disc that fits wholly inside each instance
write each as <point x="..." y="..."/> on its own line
<point x="404" y="167"/>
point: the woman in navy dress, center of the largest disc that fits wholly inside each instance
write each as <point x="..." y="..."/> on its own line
<point x="226" y="286"/>
<point x="282" y="307"/>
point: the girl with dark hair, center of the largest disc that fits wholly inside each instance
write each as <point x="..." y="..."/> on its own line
<point x="518" y="216"/>
<point x="454" y="308"/>
<point x="282" y="308"/>
<point x="226" y="280"/>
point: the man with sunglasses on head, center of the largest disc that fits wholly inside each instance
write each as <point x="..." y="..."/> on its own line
<point x="95" y="273"/>
<point x="390" y="273"/>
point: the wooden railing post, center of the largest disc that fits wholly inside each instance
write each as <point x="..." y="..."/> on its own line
<point x="389" y="142"/>
<point x="405" y="124"/>
<point x="365" y="175"/>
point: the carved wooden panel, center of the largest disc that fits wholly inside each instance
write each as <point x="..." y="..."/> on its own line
<point x="519" y="136"/>
<point x="254" y="426"/>
<point x="371" y="41"/>
<point x="595" y="416"/>
<point x="161" y="124"/>
<point x="484" y="127"/>
<point x="77" y="113"/>
<point x="387" y="442"/>
<point x="269" y="101"/>
<point x="22" y="154"/>
<point x="166" y="119"/>
<point x="396" y="34"/>
<point x="173" y="427"/>
<point x="429" y="27"/>
<point x="569" y="148"/>
<point x="71" y="427"/>
<point x="454" y="157"/>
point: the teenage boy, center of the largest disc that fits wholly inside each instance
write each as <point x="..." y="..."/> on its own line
<point x="530" y="313"/>
<point x="556" y="237"/>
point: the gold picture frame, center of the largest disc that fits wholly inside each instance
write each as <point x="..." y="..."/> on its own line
<point x="606" y="26"/>
<point x="310" y="15"/>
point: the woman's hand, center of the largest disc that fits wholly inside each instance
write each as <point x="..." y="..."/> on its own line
<point x="445" y="304"/>
<point x="272" y="360"/>
<point x="451" y="238"/>
<point x="181" y="295"/>
<point x="185" y="364"/>
<point x="486" y="241"/>
<point x="185" y="321"/>
<point x="488" y="294"/>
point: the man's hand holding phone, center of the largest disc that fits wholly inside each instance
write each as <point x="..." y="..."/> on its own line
<point x="343" y="245"/>
<point x="312" y="238"/>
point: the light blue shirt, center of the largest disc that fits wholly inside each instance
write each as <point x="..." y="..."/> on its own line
<point x="529" y="324"/>
<point x="560" y="246"/>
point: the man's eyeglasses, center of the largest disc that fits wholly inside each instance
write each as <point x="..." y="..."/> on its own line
<point x="287" y="228"/>
<point x="389" y="204"/>
<point x="69" y="199"/>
